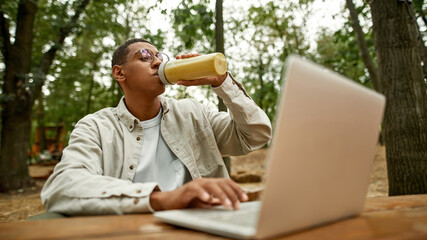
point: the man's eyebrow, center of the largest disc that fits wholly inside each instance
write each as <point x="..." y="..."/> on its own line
<point x="155" y="52"/>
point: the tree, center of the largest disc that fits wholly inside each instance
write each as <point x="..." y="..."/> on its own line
<point x="219" y="47"/>
<point x="20" y="88"/>
<point x="272" y="34"/>
<point x="30" y="63"/>
<point x="420" y="9"/>
<point x="339" y="51"/>
<point x="194" y="24"/>
<point x="80" y="81"/>
<point x="363" y="46"/>
<point x="219" y="40"/>
<point x="401" y="76"/>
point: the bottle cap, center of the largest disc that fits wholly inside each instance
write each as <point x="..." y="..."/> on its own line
<point x="162" y="75"/>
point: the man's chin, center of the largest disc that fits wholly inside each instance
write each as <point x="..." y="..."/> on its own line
<point x="162" y="89"/>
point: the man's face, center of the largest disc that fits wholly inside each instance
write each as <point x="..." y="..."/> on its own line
<point x="142" y="76"/>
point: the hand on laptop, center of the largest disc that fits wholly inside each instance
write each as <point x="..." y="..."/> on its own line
<point x="200" y="193"/>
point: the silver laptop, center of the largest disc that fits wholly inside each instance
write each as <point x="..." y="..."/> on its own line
<point x="319" y="162"/>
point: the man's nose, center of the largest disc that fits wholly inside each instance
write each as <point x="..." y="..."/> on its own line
<point x="156" y="62"/>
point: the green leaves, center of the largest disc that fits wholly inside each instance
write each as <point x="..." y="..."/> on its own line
<point x="272" y="33"/>
<point x="339" y="51"/>
<point x="194" y="26"/>
<point x="80" y="81"/>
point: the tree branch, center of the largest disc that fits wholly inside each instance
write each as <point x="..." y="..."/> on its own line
<point x="63" y="32"/>
<point x="24" y="34"/>
<point x="4" y="35"/>
<point x="47" y="59"/>
<point x="363" y="47"/>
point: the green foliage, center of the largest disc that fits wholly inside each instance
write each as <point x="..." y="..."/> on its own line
<point x="339" y="51"/>
<point x="419" y="6"/>
<point x="272" y="33"/>
<point x="194" y="26"/>
<point x="80" y="81"/>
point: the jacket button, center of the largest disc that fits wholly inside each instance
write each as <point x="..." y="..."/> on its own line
<point x="104" y="192"/>
<point x="136" y="201"/>
<point x="138" y="191"/>
<point x="131" y="167"/>
<point x="138" y="139"/>
<point x="130" y="126"/>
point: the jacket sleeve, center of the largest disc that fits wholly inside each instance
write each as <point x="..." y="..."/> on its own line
<point x="245" y="127"/>
<point x="78" y="186"/>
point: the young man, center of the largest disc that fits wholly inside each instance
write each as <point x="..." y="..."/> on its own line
<point x="154" y="153"/>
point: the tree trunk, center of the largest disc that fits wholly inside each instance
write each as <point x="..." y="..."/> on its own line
<point x="41" y="125"/>
<point x="15" y="145"/>
<point x="363" y="47"/>
<point x="401" y="75"/>
<point x="261" y="80"/>
<point x="90" y="92"/>
<point x="364" y="53"/>
<point x="219" y="41"/>
<point x="219" y="45"/>
<point x="16" y="107"/>
<point x="19" y="93"/>
<point x="89" y="97"/>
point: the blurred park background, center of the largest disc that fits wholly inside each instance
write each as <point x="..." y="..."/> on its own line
<point x="55" y="66"/>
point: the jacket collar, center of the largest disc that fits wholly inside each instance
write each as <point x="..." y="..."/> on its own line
<point x="165" y="105"/>
<point x="130" y="121"/>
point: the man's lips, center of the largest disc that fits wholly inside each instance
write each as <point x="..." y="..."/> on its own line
<point x="156" y="74"/>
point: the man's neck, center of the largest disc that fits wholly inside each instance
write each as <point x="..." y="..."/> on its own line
<point x="143" y="109"/>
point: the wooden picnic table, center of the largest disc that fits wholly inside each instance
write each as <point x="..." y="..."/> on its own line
<point x="401" y="217"/>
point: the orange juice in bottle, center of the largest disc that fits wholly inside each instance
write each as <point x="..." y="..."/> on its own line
<point x="192" y="68"/>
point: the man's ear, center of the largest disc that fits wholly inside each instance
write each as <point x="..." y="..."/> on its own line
<point x="119" y="73"/>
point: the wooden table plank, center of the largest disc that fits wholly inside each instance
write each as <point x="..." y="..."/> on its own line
<point x="400" y="217"/>
<point x="395" y="202"/>
<point x="373" y="225"/>
<point x="76" y="227"/>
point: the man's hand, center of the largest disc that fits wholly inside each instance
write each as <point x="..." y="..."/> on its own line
<point x="200" y="193"/>
<point x="214" y="81"/>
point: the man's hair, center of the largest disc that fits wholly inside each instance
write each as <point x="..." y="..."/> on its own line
<point x="119" y="55"/>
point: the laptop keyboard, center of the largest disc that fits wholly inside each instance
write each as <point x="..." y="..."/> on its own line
<point x="247" y="215"/>
<point x="245" y="218"/>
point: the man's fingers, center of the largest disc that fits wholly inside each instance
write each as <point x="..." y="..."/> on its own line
<point x="197" y="191"/>
<point x="242" y="196"/>
<point x="189" y="83"/>
<point x="235" y="192"/>
<point x="197" y="203"/>
<point x="231" y="193"/>
<point x="204" y="192"/>
<point x="197" y="82"/>
<point x="190" y="55"/>
<point x="218" y="192"/>
<point x="215" y="201"/>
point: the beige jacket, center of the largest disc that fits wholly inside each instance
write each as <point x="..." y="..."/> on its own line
<point x="96" y="171"/>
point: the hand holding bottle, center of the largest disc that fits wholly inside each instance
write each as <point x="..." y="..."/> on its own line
<point x="194" y="70"/>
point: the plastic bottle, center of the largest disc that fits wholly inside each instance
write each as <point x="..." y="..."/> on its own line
<point x="192" y="68"/>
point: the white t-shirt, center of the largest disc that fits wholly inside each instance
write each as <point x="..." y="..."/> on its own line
<point x="157" y="163"/>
